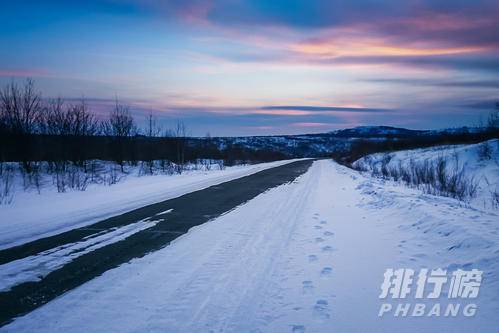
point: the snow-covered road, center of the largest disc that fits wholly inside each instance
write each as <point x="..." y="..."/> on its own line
<point x="52" y="213"/>
<point x="308" y="256"/>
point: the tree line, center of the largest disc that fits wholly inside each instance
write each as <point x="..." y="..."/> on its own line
<point x="33" y="129"/>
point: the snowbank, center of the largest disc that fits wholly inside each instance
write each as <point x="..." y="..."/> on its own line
<point x="478" y="164"/>
<point x="32" y="215"/>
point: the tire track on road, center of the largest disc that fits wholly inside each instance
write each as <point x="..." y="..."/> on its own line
<point x="186" y="212"/>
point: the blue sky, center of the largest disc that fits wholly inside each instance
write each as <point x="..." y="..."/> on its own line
<point x="236" y="67"/>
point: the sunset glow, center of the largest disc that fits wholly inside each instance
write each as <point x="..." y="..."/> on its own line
<point x="220" y="65"/>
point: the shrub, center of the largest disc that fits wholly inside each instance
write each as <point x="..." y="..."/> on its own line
<point x="430" y="176"/>
<point x="484" y="151"/>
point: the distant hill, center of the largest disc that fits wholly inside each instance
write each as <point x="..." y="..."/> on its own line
<point x="376" y="131"/>
<point x="340" y="141"/>
<point x="345" y="145"/>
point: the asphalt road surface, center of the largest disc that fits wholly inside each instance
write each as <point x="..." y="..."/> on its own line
<point x="174" y="217"/>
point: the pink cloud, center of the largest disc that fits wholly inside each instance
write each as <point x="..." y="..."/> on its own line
<point x="310" y="124"/>
<point x="23" y="73"/>
<point x="284" y="112"/>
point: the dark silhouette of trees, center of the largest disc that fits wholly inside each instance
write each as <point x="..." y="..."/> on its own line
<point x="493" y="119"/>
<point x="180" y="134"/>
<point x="120" y="127"/>
<point x="150" y="151"/>
<point x="75" y="123"/>
<point x="68" y="136"/>
<point x="21" y="109"/>
<point x="67" y="142"/>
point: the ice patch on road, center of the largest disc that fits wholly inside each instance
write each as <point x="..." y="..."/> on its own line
<point x="34" y="268"/>
<point x="166" y="211"/>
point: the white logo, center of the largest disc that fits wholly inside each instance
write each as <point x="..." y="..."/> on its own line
<point x="429" y="284"/>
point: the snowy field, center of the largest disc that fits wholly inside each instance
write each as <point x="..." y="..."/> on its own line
<point x="308" y="256"/>
<point x="51" y="212"/>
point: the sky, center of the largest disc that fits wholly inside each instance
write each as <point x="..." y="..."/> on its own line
<point x="235" y="67"/>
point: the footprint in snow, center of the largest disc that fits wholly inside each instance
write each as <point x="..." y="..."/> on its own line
<point x="321" y="309"/>
<point x="326" y="271"/>
<point x="328" y="233"/>
<point x="319" y="240"/>
<point x="323" y="222"/>
<point x="327" y="248"/>
<point x="317" y="227"/>
<point x="312" y="258"/>
<point x="307" y="286"/>
<point x="297" y="328"/>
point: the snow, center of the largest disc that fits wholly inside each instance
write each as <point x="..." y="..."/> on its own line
<point x="485" y="172"/>
<point x="51" y="213"/>
<point x="307" y="256"/>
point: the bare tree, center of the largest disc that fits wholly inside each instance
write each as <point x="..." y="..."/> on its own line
<point x="54" y="119"/>
<point x="80" y="121"/>
<point x="120" y="123"/>
<point x="180" y="140"/>
<point x="120" y="127"/>
<point x="76" y="123"/>
<point x="167" y="151"/>
<point x="73" y="119"/>
<point x="153" y="130"/>
<point x="3" y="122"/>
<point x="21" y="109"/>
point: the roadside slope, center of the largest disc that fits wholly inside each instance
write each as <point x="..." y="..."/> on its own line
<point x="475" y="166"/>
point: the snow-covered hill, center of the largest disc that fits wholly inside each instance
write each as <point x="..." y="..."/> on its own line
<point x="475" y="166"/>
<point x="375" y="131"/>
<point x="326" y="144"/>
